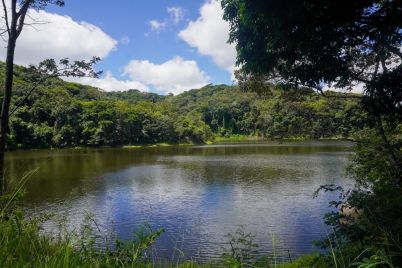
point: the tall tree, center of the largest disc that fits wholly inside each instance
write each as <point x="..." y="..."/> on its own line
<point x="339" y="44"/>
<point x="15" y="13"/>
<point x="336" y="43"/>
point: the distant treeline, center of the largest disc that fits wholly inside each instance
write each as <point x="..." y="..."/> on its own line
<point x="60" y="114"/>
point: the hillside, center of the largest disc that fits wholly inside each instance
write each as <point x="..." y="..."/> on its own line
<point x="60" y="114"/>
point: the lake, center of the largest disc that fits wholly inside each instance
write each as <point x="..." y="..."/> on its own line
<point x="199" y="194"/>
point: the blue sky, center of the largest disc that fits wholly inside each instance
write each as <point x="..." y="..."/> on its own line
<point x="157" y="45"/>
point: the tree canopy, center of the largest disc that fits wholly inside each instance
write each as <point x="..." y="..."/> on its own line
<point x="340" y="44"/>
<point x="335" y="43"/>
<point x="60" y="114"/>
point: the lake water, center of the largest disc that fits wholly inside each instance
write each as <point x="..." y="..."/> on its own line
<point x="197" y="193"/>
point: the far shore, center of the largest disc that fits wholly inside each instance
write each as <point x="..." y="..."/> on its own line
<point x="217" y="140"/>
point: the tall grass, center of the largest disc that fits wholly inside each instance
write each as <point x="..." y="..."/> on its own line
<point x="24" y="245"/>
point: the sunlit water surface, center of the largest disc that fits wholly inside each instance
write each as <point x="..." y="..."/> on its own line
<point x="198" y="194"/>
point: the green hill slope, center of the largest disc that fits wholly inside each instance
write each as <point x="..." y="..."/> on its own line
<point x="60" y="114"/>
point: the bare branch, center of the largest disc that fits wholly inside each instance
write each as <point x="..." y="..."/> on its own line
<point x="3" y="32"/>
<point x="24" y="7"/>
<point x="21" y="16"/>
<point x="6" y="16"/>
<point x="35" y="21"/>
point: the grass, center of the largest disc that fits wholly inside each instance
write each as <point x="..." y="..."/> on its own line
<point x="235" y="138"/>
<point x="216" y="139"/>
<point x="240" y="138"/>
<point x="155" y="145"/>
<point x="23" y="244"/>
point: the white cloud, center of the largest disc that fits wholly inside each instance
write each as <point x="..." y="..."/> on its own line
<point x="125" y="40"/>
<point x="109" y="83"/>
<point x="176" y="14"/>
<point x="62" y="37"/>
<point x="209" y="35"/>
<point x="59" y="37"/>
<point x="157" y="25"/>
<point x="175" y="75"/>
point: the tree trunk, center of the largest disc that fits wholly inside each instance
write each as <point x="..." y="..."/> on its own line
<point x="5" y="108"/>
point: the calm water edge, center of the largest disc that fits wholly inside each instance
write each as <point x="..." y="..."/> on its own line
<point x="197" y="193"/>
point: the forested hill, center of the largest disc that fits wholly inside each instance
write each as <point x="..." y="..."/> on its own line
<point x="59" y="114"/>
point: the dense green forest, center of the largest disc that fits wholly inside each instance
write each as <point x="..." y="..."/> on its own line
<point x="60" y="114"/>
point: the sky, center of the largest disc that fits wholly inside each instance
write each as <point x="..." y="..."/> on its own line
<point x="162" y="46"/>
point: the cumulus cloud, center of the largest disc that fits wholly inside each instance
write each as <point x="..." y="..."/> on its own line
<point x="109" y="83"/>
<point x="59" y="37"/>
<point x="176" y="14"/>
<point x="173" y="76"/>
<point x="209" y="35"/>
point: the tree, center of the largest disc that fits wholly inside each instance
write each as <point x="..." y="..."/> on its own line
<point x="338" y="44"/>
<point x="14" y="21"/>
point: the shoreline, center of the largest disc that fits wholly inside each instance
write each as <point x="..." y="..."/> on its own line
<point x="217" y="140"/>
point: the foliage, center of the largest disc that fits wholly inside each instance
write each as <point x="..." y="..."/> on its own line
<point x="370" y="218"/>
<point x="241" y="251"/>
<point x="308" y="43"/>
<point x="23" y="245"/>
<point x="134" y="95"/>
<point x="63" y="114"/>
<point x="229" y="111"/>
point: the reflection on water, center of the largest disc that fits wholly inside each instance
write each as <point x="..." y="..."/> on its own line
<point x="198" y="194"/>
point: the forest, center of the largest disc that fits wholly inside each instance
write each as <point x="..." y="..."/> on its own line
<point x="64" y="114"/>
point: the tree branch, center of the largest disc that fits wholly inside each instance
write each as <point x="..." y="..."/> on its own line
<point x="21" y="16"/>
<point x="24" y="7"/>
<point x="48" y="69"/>
<point x="13" y="8"/>
<point x="30" y="91"/>
<point x="383" y="65"/>
<point x="377" y="65"/>
<point x="319" y="90"/>
<point x="6" y="16"/>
